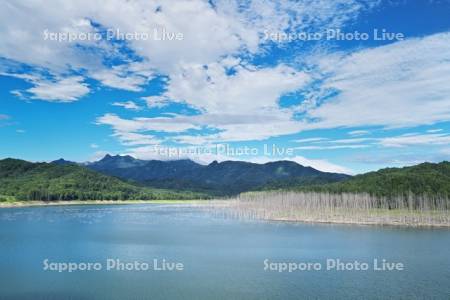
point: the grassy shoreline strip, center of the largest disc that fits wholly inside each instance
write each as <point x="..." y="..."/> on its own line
<point x="11" y="204"/>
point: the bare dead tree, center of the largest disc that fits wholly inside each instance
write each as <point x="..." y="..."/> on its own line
<point x="410" y="209"/>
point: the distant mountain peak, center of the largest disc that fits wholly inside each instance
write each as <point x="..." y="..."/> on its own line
<point x="118" y="156"/>
<point x="63" y="162"/>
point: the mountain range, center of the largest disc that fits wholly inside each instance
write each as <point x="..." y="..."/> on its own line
<point x="124" y="177"/>
<point x="220" y="179"/>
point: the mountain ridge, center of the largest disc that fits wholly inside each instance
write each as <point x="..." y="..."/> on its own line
<point x="219" y="178"/>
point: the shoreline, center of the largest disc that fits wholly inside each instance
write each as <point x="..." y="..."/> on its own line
<point x="19" y="204"/>
<point x="360" y="223"/>
<point x="307" y="220"/>
<point x="359" y="217"/>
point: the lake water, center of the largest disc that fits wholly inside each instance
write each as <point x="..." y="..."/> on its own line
<point x="222" y="258"/>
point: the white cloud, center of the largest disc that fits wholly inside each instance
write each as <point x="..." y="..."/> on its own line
<point x="156" y="101"/>
<point x="358" y="132"/>
<point x="50" y="88"/>
<point x="53" y="88"/>
<point x="250" y="90"/>
<point x="415" y="140"/>
<point x="131" y="105"/>
<point x="61" y="90"/>
<point x="319" y="164"/>
<point x="327" y="144"/>
<point x="19" y="94"/>
<point x="226" y="28"/>
<point x="94" y="146"/>
<point x="352" y="140"/>
<point x="135" y="131"/>
<point x="295" y="16"/>
<point x="129" y="77"/>
<point x="227" y="104"/>
<point x="133" y="139"/>
<point x="434" y="130"/>
<point x="331" y="147"/>
<point x="207" y="38"/>
<point x="404" y="140"/>
<point x="398" y="85"/>
<point x="242" y="106"/>
<point x="310" y="140"/>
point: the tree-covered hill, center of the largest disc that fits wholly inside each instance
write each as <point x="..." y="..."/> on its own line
<point x="24" y="180"/>
<point x="423" y="179"/>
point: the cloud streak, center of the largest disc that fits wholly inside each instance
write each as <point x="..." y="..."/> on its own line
<point x="131" y="105"/>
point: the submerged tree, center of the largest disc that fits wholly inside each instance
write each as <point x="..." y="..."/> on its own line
<point x="409" y="209"/>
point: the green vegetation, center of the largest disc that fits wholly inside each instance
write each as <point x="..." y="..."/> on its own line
<point x="24" y="181"/>
<point x="427" y="179"/>
<point x="27" y="203"/>
<point x="4" y="198"/>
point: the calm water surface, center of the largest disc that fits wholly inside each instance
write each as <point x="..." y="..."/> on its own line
<point x="222" y="258"/>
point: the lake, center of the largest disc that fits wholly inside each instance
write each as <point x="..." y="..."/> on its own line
<point x="221" y="258"/>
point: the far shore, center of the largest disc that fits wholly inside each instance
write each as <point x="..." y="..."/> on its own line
<point x="371" y="217"/>
<point x="361" y="223"/>
<point x="12" y="204"/>
<point x="226" y="207"/>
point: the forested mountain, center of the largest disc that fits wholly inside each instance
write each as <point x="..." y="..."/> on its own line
<point x="68" y="181"/>
<point x="422" y="179"/>
<point x="225" y="178"/>
<point x="129" y="168"/>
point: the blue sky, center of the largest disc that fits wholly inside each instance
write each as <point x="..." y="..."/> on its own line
<point x="231" y="77"/>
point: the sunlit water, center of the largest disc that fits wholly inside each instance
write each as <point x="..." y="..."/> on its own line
<point x="222" y="258"/>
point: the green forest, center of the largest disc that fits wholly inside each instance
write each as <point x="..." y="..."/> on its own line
<point x="22" y="180"/>
<point x="428" y="179"/>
